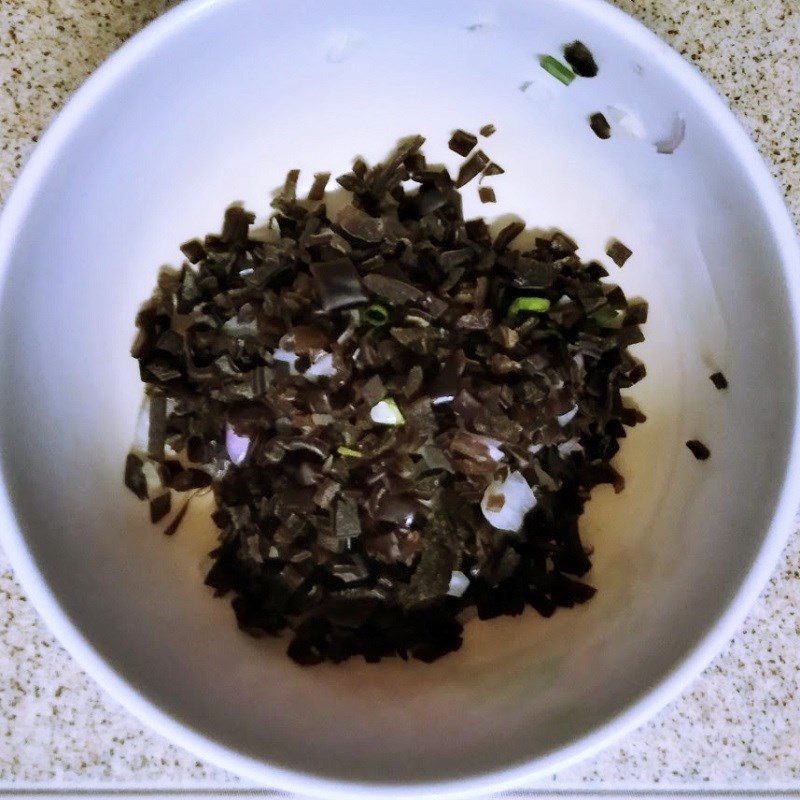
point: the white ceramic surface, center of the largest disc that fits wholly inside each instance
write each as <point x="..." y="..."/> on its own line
<point x="213" y="103"/>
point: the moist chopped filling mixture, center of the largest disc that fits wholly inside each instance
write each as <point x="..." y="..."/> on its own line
<point x="400" y="412"/>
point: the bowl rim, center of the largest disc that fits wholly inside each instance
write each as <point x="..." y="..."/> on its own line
<point x="638" y="709"/>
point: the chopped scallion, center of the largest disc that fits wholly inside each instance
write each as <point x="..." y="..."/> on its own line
<point x="608" y="318"/>
<point x="558" y="70"/>
<point x="347" y="451"/>
<point x="375" y="315"/>
<point x="535" y="304"/>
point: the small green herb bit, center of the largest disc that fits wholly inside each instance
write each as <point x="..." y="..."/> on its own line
<point x="537" y="305"/>
<point x="557" y="69"/>
<point x="375" y="315"/>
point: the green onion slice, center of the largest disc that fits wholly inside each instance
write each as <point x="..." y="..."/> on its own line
<point x="347" y="451"/>
<point x="534" y="304"/>
<point x="558" y="70"/>
<point x="608" y="318"/>
<point x="375" y="315"/>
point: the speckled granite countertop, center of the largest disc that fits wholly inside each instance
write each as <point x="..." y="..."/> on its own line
<point x="739" y="726"/>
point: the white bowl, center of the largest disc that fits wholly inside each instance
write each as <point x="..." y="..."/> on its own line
<point x="213" y="103"/>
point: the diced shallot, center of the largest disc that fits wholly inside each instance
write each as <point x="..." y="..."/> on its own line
<point x="458" y="584"/>
<point x="506" y="502"/>
<point x="236" y="445"/>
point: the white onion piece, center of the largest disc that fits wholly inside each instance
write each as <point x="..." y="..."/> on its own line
<point x="670" y="143"/>
<point x="237" y="446"/>
<point x="445" y="398"/>
<point x="569" y="447"/>
<point x="493" y="446"/>
<point x="141" y="436"/>
<point x="386" y="413"/>
<point x="152" y="478"/>
<point x="287" y="357"/>
<point x="348" y="332"/>
<point x="566" y="418"/>
<point x="321" y="367"/>
<point x="171" y="452"/>
<point x="518" y="500"/>
<point x="458" y="584"/>
<point x="241" y="330"/>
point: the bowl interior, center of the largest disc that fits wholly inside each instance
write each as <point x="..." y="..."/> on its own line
<point x="216" y="110"/>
